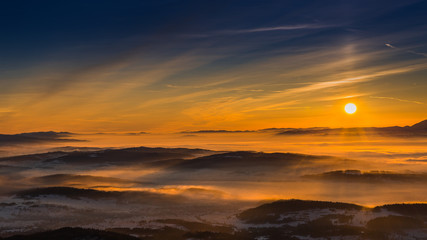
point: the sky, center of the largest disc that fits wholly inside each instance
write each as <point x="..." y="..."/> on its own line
<point x="169" y="66"/>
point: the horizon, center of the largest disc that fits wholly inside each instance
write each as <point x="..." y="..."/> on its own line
<point x="138" y="132"/>
<point x="353" y="143"/>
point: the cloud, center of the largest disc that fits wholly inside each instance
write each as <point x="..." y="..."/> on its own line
<point x="417" y="160"/>
<point x="390" y="155"/>
<point x="219" y="131"/>
<point x="397" y="99"/>
<point x="136" y="133"/>
<point x="36" y="137"/>
<point x="351" y="80"/>
<point x="390" y="46"/>
<point x="72" y="149"/>
<point x="417" y="53"/>
<point x="122" y="134"/>
<point x="237" y="107"/>
<point x="278" y="28"/>
<point x="206" y="193"/>
<point x="408" y="51"/>
<point x="73" y="180"/>
<point x="261" y="30"/>
<point x="421" y="158"/>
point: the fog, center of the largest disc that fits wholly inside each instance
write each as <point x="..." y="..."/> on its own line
<point x="107" y="180"/>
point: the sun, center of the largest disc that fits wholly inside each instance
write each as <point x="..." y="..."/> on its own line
<point x="350" y="108"/>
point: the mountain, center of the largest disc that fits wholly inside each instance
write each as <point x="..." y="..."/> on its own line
<point x="36" y="137"/>
<point x="420" y="126"/>
<point x="247" y="159"/>
<point x="272" y="212"/>
<point x="137" y="155"/>
<point x="139" y="197"/>
<point x="416" y="130"/>
<point x="369" y="177"/>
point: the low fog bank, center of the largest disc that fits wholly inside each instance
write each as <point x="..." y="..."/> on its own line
<point x="158" y="168"/>
<point x="242" y="175"/>
<point x="136" y="187"/>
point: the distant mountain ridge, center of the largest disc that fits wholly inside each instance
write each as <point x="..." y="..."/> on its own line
<point x="36" y="137"/>
<point x="418" y="129"/>
<point x="421" y="125"/>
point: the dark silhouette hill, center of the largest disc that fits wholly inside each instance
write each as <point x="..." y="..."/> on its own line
<point x="122" y="196"/>
<point x="36" y="137"/>
<point x="416" y="130"/>
<point x="247" y="159"/>
<point x="74" y="234"/>
<point x="418" y="210"/>
<point x="137" y="155"/>
<point x="420" y="126"/>
<point x="271" y="212"/>
<point x="369" y="177"/>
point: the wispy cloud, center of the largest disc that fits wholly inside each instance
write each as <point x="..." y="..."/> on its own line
<point x="339" y="97"/>
<point x="408" y="51"/>
<point x="390" y="46"/>
<point x="398" y="99"/>
<point x="226" y="105"/>
<point x="279" y="28"/>
<point x="342" y="82"/>
<point x="417" y="53"/>
<point x="262" y="29"/>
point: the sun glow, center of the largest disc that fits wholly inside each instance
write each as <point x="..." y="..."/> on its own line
<point x="350" y="108"/>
